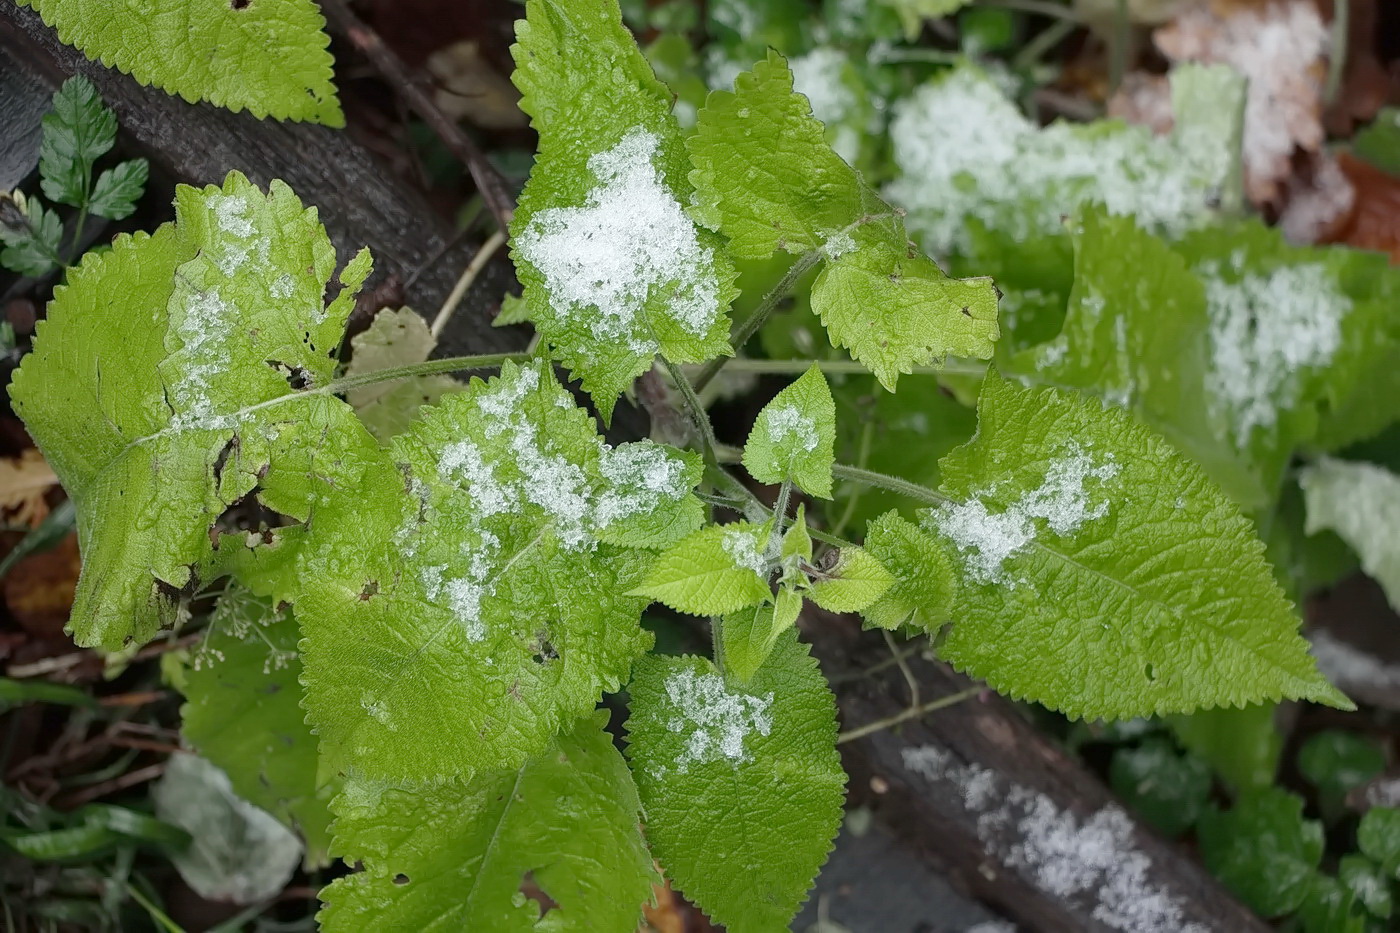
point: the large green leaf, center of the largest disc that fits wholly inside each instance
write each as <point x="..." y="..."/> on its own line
<point x="552" y="845"/>
<point x="614" y="271"/>
<point x="175" y="374"/>
<point x="741" y="785"/>
<point x="243" y="713"/>
<point x="766" y="177"/>
<point x="466" y="599"/>
<point x="268" y="56"/>
<point x="1102" y="573"/>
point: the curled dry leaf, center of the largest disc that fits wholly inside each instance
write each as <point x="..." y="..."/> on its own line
<point x="24" y="482"/>
<point x="1281" y="47"/>
<point x="1375" y="222"/>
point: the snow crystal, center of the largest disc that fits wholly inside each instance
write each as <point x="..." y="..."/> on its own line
<point x="1263" y="330"/>
<point x="965" y="150"/>
<point x="631" y="242"/>
<point x="837" y="244"/>
<point x="489" y="495"/>
<point x="987" y="539"/>
<point x="787" y="421"/>
<point x="744" y="546"/>
<point x="643" y="476"/>
<point x="231" y="214"/>
<point x="203" y="330"/>
<point x="1094" y="860"/>
<point x="282" y="287"/>
<point x="377" y="711"/>
<point x="719" y="721"/>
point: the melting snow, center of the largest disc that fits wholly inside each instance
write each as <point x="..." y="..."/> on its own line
<point x="786" y="421"/>
<point x="717" y="721"/>
<point x="1094" y="860"/>
<point x="965" y="151"/>
<point x="987" y="539"/>
<point x="744" y="546"/>
<point x="1264" y="329"/>
<point x="630" y="243"/>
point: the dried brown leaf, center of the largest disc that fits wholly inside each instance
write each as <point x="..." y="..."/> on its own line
<point x="24" y="482"/>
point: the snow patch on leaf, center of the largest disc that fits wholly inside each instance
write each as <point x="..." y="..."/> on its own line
<point x="630" y="242"/>
<point x="717" y="721"/>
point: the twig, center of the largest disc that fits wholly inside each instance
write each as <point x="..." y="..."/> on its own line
<point x="914" y="712"/>
<point x="130" y="779"/>
<point x="1036" y="7"/>
<point x="1337" y="63"/>
<point x="133" y="699"/>
<point x="909" y="678"/>
<point x="483" y="255"/>
<point x="747" y="365"/>
<point x="406" y="83"/>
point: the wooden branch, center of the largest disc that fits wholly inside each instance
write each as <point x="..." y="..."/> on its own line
<point x="1011" y="819"/>
<point x="360" y="203"/>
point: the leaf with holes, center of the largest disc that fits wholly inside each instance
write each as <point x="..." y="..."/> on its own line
<point x="613" y="268"/>
<point x="465" y="600"/>
<point x="203" y="348"/>
<point x="243" y="713"/>
<point x="1103" y="574"/>
<point x="741" y="785"/>
<point x="552" y="844"/>
<point x="266" y="56"/>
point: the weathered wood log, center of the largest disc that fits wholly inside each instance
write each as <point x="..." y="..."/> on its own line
<point x="1012" y="819"/>
<point x="360" y="203"/>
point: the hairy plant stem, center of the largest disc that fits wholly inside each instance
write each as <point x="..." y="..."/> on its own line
<point x="958" y="367"/>
<point x="760" y="315"/>
<point x="892" y="483"/>
<point x="696" y="409"/>
<point x="1037" y="7"/>
<point x="449" y="364"/>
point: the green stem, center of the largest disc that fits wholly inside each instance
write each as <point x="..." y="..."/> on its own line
<point x="1045" y="40"/>
<point x="1037" y="7"/>
<point x="825" y="538"/>
<point x="449" y="364"/>
<point x="953" y="367"/>
<point x="891" y="483"/>
<point x="780" y="509"/>
<point x="760" y="315"/>
<point x="695" y="409"/>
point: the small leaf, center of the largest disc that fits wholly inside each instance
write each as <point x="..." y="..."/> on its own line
<point x="1331" y="907"/>
<point x="1379" y="837"/>
<point x="118" y="189"/>
<point x="923" y="578"/>
<point x="1361" y="503"/>
<point x="742" y="786"/>
<point x="1334" y="762"/>
<point x="1242" y="744"/>
<point x="243" y="713"/>
<point x="1167" y="788"/>
<point x="77" y="131"/>
<point x="32" y="243"/>
<point x="1263" y="850"/>
<point x="268" y="58"/>
<point x="1365" y="879"/>
<point x="857" y="580"/>
<point x="797" y="541"/>
<point x="238" y="852"/>
<point x="713" y="571"/>
<point x="554" y="843"/>
<point x="793" y="438"/>
<point x="748" y="635"/>
<point x="1072" y="559"/>
<point x="394" y="338"/>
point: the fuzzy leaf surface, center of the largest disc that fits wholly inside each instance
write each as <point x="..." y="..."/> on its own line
<point x="857" y="581"/>
<point x="794" y="436"/>
<point x="718" y="569"/>
<point x="613" y="268"/>
<point x="420" y="661"/>
<point x="266" y="56"/>
<point x="742" y="786"/>
<point x="1103" y="574"/>
<point x="243" y="713"/>
<point x="922" y="572"/>
<point x="159" y="391"/>
<point x="1361" y="503"/>
<point x="455" y="855"/>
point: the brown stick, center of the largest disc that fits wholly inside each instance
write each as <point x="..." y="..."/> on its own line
<point x="408" y="85"/>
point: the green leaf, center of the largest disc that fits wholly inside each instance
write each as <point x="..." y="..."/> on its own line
<point x="748" y="636"/>
<point x="77" y="131"/>
<point x="514" y="310"/>
<point x="895" y="311"/>
<point x="1379" y="837"/>
<point x="466" y="586"/>
<point x="1379" y="143"/>
<point x="797" y="540"/>
<point x="613" y="269"/>
<point x="741" y="786"/>
<point x="764" y="174"/>
<point x="1334" y="762"/>
<point x="766" y="177"/>
<point x="118" y="189"/>
<point x="468" y="855"/>
<point x="394" y="338"/>
<point x="922" y="572"/>
<point x="793" y="439"/>
<point x="1371" y="886"/>
<point x="267" y="57"/>
<point x="1084" y="543"/>
<point x="1243" y="745"/>
<point x="1361" y="503"/>
<point x="1167" y="788"/>
<point x="32" y="241"/>
<point x="1263" y="850"/>
<point x="243" y="713"/>
<point x="716" y="570"/>
<point x="856" y="581"/>
<point x="238" y="852"/>
<point x="1331" y="907"/>
<point x="181" y="350"/>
